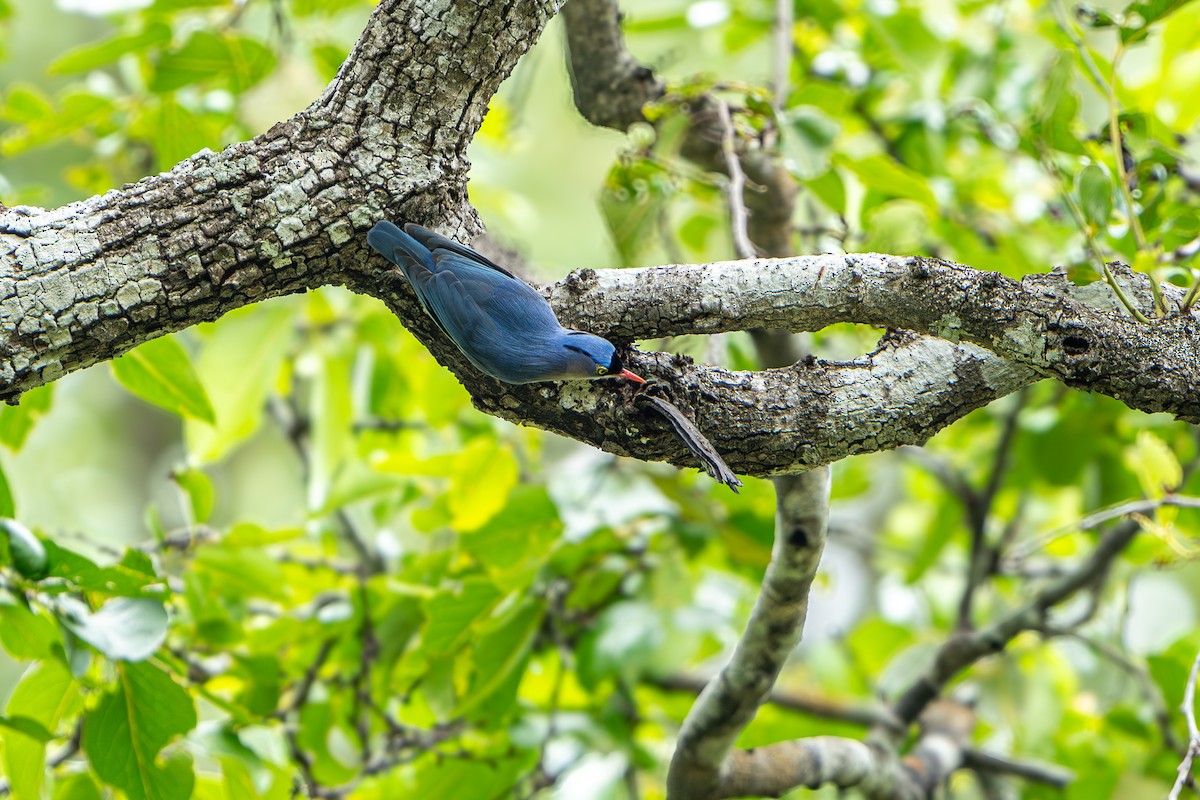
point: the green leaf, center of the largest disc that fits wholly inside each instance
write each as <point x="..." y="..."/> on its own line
<point x="513" y="544"/>
<point x="1095" y="190"/>
<point x="938" y="534"/>
<point x="80" y="786"/>
<point x="117" y="580"/>
<point x="304" y="8"/>
<point x="247" y="534"/>
<point x="137" y="561"/>
<point x="27" y="635"/>
<point x="46" y="694"/>
<point x="125" y="733"/>
<point x="500" y="656"/>
<point x="830" y="189"/>
<point x="633" y="200"/>
<point x="161" y="373"/>
<point x="7" y="507"/>
<point x="875" y="641"/>
<point x="328" y="59"/>
<point x="808" y="135"/>
<point x="170" y="6"/>
<point x="1157" y="468"/>
<point x="28" y="726"/>
<point x="199" y="489"/>
<point x="331" y="441"/>
<point x="124" y="629"/>
<point x="27" y="551"/>
<point x="450" y="613"/>
<point x="26" y="103"/>
<point x="79" y="110"/>
<point x="90" y="56"/>
<point x="886" y="176"/>
<point x="1059" y="107"/>
<point x="459" y="778"/>
<point x="240" y="60"/>
<point x="620" y="644"/>
<point x="242" y="571"/>
<point x="1139" y="16"/>
<point x="254" y="340"/>
<point x="174" y="131"/>
<point x="17" y="421"/>
<point x="486" y="472"/>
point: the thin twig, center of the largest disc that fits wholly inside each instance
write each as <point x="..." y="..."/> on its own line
<point x="1184" y="776"/>
<point x="1090" y="237"/>
<point x="1081" y="50"/>
<point x="1050" y="774"/>
<point x="978" y="510"/>
<point x="737" y="185"/>
<point x="1098" y="518"/>
<point x="962" y="650"/>
<point x="868" y="715"/>
<point x="1139" y="672"/>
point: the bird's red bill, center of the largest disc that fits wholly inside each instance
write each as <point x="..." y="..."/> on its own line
<point x="627" y="375"/>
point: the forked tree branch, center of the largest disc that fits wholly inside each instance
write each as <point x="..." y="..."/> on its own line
<point x="287" y="212"/>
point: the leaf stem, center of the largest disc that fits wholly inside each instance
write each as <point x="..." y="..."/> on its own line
<point x="1090" y="237"/>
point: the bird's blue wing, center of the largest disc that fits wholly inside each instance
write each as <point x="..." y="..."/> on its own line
<point x="512" y="304"/>
<point x="433" y="241"/>
<point x="497" y="320"/>
<point x="413" y="258"/>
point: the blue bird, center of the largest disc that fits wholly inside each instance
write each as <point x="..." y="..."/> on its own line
<point x="498" y="321"/>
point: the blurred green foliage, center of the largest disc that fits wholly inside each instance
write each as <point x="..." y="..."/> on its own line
<point x="283" y="548"/>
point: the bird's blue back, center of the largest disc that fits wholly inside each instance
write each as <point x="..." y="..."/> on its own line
<point x="499" y="322"/>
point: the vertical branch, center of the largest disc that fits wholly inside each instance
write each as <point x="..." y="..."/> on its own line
<point x="736" y="188"/>
<point x="978" y="508"/>
<point x="1188" y="707"/>
<point x="785" y="18"/>
<point x="609" y="84"/>
<point x="730" y="702"/>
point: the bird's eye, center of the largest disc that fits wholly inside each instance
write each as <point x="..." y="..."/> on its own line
<point x="601" y="369"/>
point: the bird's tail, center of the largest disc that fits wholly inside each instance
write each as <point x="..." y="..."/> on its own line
<point x="398" y="247"/>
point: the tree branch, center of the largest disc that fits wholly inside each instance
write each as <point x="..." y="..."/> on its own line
<point x="1043" y="322"/>
<point x="282" y="213"/>
<point x="286" y="212"/>
<point x="610" y="85"/>
<point x="963" y="649"/>
<point x="871" y="767"/>
<point x="700" y="766"/>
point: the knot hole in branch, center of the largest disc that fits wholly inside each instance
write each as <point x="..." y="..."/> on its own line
<point x="798" y="537"/>
<point x="1075" y="345"/>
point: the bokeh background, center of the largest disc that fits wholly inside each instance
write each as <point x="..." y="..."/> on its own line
<point x="966" y="130"/>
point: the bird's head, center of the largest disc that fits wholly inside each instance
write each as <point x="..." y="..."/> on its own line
<point x="591" y="357"/>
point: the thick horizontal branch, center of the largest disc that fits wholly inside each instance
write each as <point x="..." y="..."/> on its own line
<point x="1044" y="322"/>
<point x="763" y="423"/>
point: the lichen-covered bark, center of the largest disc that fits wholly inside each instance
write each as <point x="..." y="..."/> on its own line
<point x="282" y="213"/>
<point x="1078" y="335"/>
